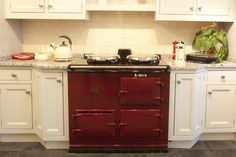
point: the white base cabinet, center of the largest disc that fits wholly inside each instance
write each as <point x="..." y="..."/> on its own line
<point x="16" y="113"/>
<point x="186" y="105"/>
<point x="220" y="108"/>
<point x="221" y="101"/>
<point x="15" y="106"/>
<point x="50" y="106"/>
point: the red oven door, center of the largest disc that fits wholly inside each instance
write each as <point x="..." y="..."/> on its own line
<point x="140" y="123"/>
<point x="141" y="91"/>
<point x="94" y="123"/>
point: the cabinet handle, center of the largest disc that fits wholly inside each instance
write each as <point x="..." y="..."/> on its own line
<point x="14" y="75"/>
<point x="27" y="92"/>
<point x="40" y="6"/>
<point x="59" y="81"/>
<point x="210" y="93"/>
<point x="122" y="124"/>
<point x="223" y="77"/>
<point x="159" y="116"/>
<point x="50" y="6"/>
<point x="140" y="75"/>
<point x="178" y="82"/>
<point x="160" y="131"/>
<point x="113" y="124"/>
<point x="199" y="8"/>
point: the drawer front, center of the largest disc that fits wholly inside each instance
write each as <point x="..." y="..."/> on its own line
<point x="221" y="76"/>
<point x="141" y="91"/>
<point x="89" y="123"/>
<point x="15" y="75"/>
<point x="141" y="123"/>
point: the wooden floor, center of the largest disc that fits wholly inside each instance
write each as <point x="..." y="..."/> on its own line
<point x="201" y="149"/>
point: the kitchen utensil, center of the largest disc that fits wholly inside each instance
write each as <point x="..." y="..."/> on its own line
<point x="123" y="53"/>
<point x="23" y="56"/>
<point x="64" y="52"/>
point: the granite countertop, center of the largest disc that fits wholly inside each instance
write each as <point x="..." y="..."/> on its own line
<point x="47" y="65"/>
<point x="53" y="65"/>
<point x="175" y="65"/>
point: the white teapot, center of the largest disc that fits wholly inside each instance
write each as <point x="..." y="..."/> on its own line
<point x="63" y="52"/>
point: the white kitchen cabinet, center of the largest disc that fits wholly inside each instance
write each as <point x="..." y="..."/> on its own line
<point x="196" y="10"/>
<point x="65" y="6"/>
<point x="16" y="101"/>
<point x="220" y="108"/>
<point x="173" y="7"/>
<point x="120" y="5"/>
<point x="213" y="7"/>
<point x="50" y="113"/>
<point x="45" y="9"/>
<point x="186" y="110"/>
<point x="221" y="100"/>
<point x="15" y="106"/>
<point x="24" y="6"/>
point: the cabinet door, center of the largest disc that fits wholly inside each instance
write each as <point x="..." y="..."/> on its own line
<point x="140" y="123"/>
<point x="220" y="109"/>
<point x="180" y="7"/>
<point x="141" y="91"/>
<point x="16" y="106"/>
<point x="184" y="102"/>
<point x="27" y="6"/>
<point x="37" y="103"/>
<point x="213" y="7"/>
<point x="53" y="106"/>
<point x="200" y="100"/>
<point x="65" y="6"/>
<point x="94" y="123"/>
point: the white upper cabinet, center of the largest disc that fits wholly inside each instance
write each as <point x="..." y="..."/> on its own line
<point x="45" y="9"/>
<point x="180" y="7"/>
<point x="213" y="7"/>
<point x="18" y="6"/>
<point x="69" y="6"/>
<point x="120" y="5"/>
<point x="196" y="10"/>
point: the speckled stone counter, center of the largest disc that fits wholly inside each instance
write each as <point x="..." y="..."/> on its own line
<point x="52" y="65"/>
<point x="44" y="65"/>
<point x="198" y="66"/>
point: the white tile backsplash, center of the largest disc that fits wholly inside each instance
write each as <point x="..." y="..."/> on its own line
<point x="10" y="34"/>
<point x="105" y="32"/>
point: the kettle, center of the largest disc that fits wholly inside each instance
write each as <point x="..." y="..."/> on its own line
<point x="63" y="52"/>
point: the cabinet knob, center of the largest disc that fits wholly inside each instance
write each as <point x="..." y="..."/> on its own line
<point x="140" y="75"/>
<point x="59" y="81"/>
<point x="210" y="92"/>
<point x="178" y="82"/>
<point x="27" y="92"/>
<point x="49" y="6"/>
<point x="223" y="77"/>
<point x="40" y="5"/>
<point x="199" y="8"/>
<point x="191" y="8"/>
<point x="13" y="75"/>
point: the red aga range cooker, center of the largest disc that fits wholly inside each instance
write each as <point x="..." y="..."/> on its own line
<point x="118" y="106"/>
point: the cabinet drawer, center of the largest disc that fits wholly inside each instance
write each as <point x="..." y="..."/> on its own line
<point x="221" y="76"/>
<point x="15" y="75"/>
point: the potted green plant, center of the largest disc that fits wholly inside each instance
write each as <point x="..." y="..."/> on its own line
<point x="211" y="41"/>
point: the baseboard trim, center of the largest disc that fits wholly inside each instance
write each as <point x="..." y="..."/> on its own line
<point x="217" y="136"/>
<point x="182" y="144"/>
<point x="19" y="138"/>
